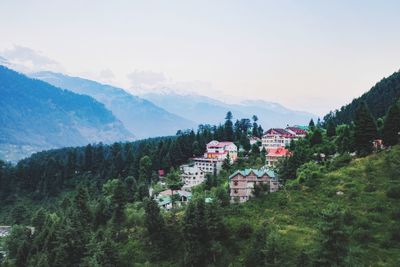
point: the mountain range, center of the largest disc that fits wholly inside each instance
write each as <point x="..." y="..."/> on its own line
<point x="203" y="109"/>
<point x="47" y="110"/>
<point x="35" y="115"/>
<point x="140" y="116"/>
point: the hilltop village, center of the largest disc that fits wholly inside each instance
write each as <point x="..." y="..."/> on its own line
<point x="219" y="155"/>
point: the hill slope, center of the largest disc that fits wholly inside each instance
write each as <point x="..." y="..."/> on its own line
<point x="35" y="115"/>
<point x="379" y="98"/>
<point x="139" y="115"/>
<point x="203" y="109"/>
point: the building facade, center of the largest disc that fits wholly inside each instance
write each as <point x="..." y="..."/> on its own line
<point x="191" y="175"/>
<point x="221" y="150"/>
<point x="275" y="154"/>
<point x="242" y="183"/>
<point x="277" y="137"/>
<point x="208" y="165"/>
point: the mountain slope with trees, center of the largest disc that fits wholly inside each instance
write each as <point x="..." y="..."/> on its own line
<point x="379" y="98"/>
<point x="140" y="116"/>
<point x="35" y="115"/>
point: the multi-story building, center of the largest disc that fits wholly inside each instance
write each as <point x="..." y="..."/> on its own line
<point x="221" y="150"/>
<point x="297" y="131"/>
<point x="242" y="183"/>
<point x="208" y="165"/>
<point x="191" y="175"/>
<point x="274" y="154"/>
<point x="277" y="137"/>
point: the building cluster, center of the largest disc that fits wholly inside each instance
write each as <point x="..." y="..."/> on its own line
<point x="275" y="141"/>
<point x="241" y="183"/>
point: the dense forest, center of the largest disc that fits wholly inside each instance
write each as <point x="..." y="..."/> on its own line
<point x="90" y="206"/>
<point x="379" y="98"/>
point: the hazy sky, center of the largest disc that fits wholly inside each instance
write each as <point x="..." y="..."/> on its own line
<point x="308" y="55"/>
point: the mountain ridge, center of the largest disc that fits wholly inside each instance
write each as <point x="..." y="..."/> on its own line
<point x="139" y="115"/>
<point x="38" y="115"/>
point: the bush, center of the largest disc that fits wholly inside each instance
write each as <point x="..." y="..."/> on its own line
<point x="393" y="192"/>
<point x="244" y="230"/>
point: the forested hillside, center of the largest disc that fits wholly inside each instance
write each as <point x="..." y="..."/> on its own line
<point x="140" y="116"/>
<point x="90" y="205"/>
<point x="35" y="116"/>
<point x="379" y="98"/>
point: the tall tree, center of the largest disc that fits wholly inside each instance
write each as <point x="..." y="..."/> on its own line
<point x="145" y="170"/>
<point x="228" y="128"/>
<point x="330" y="129"/>
<point x="334" y="240"/>
<point x="156" y="230"/>
<point x="391" y="127"/>
<point x="365" y="130"/>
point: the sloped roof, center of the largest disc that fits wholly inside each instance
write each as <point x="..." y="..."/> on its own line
<point x="258" y="172"/>
<point x="279" y="151"/>
<point x="279" y="131"/>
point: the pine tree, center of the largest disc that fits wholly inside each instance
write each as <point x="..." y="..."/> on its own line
<point x="391" y="127"/>
<point x="255" y="126"/>
<point x="311" y="124"/>
<point x="334" y="240"/>
<point x="316" y="137"/>
<point x="330" y="129"/>
<point x="228" y="129"/>
<point x="365" y="130"/>
<point x="145" y="170"/>
<point x="156" y="230"/>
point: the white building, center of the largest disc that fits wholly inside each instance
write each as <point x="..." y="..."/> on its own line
<point x="208" y="165"/>
<point x="191" y="176"/>
<point x="221" y="150"/>
<point x="277" y="137"/>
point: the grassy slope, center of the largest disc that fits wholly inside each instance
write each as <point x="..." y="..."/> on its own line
<point x="294" y="213"/>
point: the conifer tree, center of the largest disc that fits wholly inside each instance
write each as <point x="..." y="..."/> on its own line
<point x="228" y="128"/>
<point x="334" y="240"/>
<point x="156" y="230"/>
<point x="365" y="130"/>
<point x="330" y="129"/>
<point x="391" y="127"/>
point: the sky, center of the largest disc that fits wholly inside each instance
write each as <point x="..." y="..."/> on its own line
<point x="307" y="55"/>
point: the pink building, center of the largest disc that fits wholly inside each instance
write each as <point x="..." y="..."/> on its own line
<point x="220" y="150"/>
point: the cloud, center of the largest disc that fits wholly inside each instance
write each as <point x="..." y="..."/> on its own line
<point x="26" y="59"/>
<point x="146" y="78"/>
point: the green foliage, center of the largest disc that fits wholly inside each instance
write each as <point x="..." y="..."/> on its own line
<point x="365" y="130"/>
<point x="391" y="127"/>
<point x="379" y="98"/>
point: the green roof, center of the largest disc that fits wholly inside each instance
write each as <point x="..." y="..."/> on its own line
<point x="163" y="200"/>
<point x="258" y="172"/>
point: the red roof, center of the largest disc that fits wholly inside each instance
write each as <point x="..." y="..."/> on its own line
<point x="278" y="152"/>
<point x="280" y="131"/>
<point x="297" y="130"/>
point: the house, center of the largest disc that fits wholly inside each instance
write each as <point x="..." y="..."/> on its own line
<point x="277" y="137"/>
<point x="221" y="150"/>
<point x="242" y="183"/>
<point x="191" y="175"/>
<point x="274" y="154"/>
<point x="208" y="165"/>
<point x="164" y="198"/>
<point x="254" y="140"/>
<point x="297" y="131"/>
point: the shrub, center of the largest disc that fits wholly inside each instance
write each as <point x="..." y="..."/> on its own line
<point x="394" y="192"/>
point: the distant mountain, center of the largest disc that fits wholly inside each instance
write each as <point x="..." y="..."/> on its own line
<point x="204" y="109"/>
<point x="140" y="116"/>
<point x="379" y="98"/>
<point x="35" y="115"/>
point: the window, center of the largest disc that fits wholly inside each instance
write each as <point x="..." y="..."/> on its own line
<point x="235" y="183"/>
<point x="235" y="191"/>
